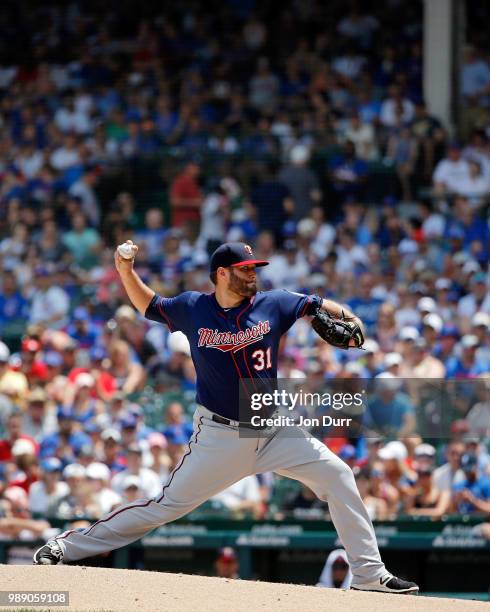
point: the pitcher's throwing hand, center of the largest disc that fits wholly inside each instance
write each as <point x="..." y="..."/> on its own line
<point x="125" y="254"/>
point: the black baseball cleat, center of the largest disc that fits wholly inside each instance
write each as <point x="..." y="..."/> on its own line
<point x="389" y="584"/>
<point x="49" y="554"/>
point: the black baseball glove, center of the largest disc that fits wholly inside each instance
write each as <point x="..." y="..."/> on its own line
<point x="337" y="332"/>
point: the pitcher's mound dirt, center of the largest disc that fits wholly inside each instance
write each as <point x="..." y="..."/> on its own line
<point x="114" y="589"/>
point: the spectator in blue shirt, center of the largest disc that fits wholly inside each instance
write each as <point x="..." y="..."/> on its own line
<point x="13" y="305"/>
<point x="445" y="346"/>
<point x="365" y="306"/>
<point x="472" y="229"/>
<point x="65" y="443"/>
<point x="368" y="107"/>
<point x="149" y="140"/>
<point x="176" y="423"/>
<point x="475" y="78"/>
<point x="81" y="329"/>
<point x="272" y="202"/>
<point x="467" y="365"/>
<point x="142" y="430"/>
<point x="165" y="118"/>
<point x="153" y="234"/>
<point x="112" y="452"/>
<point x="347" y="173"/>
<point x="472" y="495"/>
<point x="389" y="410"/>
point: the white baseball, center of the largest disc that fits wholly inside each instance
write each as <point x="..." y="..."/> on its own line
<point x="125" y="251"/>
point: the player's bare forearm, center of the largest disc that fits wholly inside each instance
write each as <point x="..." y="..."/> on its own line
<point x="139" y="293"/>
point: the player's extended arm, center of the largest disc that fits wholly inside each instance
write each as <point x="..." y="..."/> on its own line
<point x="139" y="293"/>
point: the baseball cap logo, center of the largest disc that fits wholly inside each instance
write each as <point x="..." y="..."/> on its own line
<point x="234" y="254"/>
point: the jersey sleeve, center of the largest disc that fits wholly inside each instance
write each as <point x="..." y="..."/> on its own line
<point x="174" y="312"/>
<point x="293" y="306"/>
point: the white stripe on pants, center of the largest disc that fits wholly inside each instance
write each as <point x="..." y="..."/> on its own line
<point x="216" y="458"/>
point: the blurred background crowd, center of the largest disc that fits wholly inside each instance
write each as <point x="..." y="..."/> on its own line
<point x="301" y="130"/>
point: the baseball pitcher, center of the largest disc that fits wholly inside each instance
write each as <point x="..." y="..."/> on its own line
<point x="234" y="333"/>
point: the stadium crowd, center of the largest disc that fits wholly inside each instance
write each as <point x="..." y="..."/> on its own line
<point x="94" y="400"/>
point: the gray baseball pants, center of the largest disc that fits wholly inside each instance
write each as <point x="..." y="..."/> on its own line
<point x="216" y="458"/>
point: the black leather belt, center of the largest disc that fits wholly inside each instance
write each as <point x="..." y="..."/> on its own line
<point x="219" y="419"/>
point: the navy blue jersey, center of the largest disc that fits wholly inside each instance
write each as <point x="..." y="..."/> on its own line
<point x="232" y="343"/>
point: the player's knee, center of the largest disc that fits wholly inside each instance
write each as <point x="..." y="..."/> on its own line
<point x="343" y="471"/>
<point x="322" y="496"/>
<point x="334" y="473"/>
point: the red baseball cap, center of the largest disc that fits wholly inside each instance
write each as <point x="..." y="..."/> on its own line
<point x="30" y="345"/>
<point x="234" y="254"/>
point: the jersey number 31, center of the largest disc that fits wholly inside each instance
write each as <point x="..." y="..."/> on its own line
<point x="262" y="359"/>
